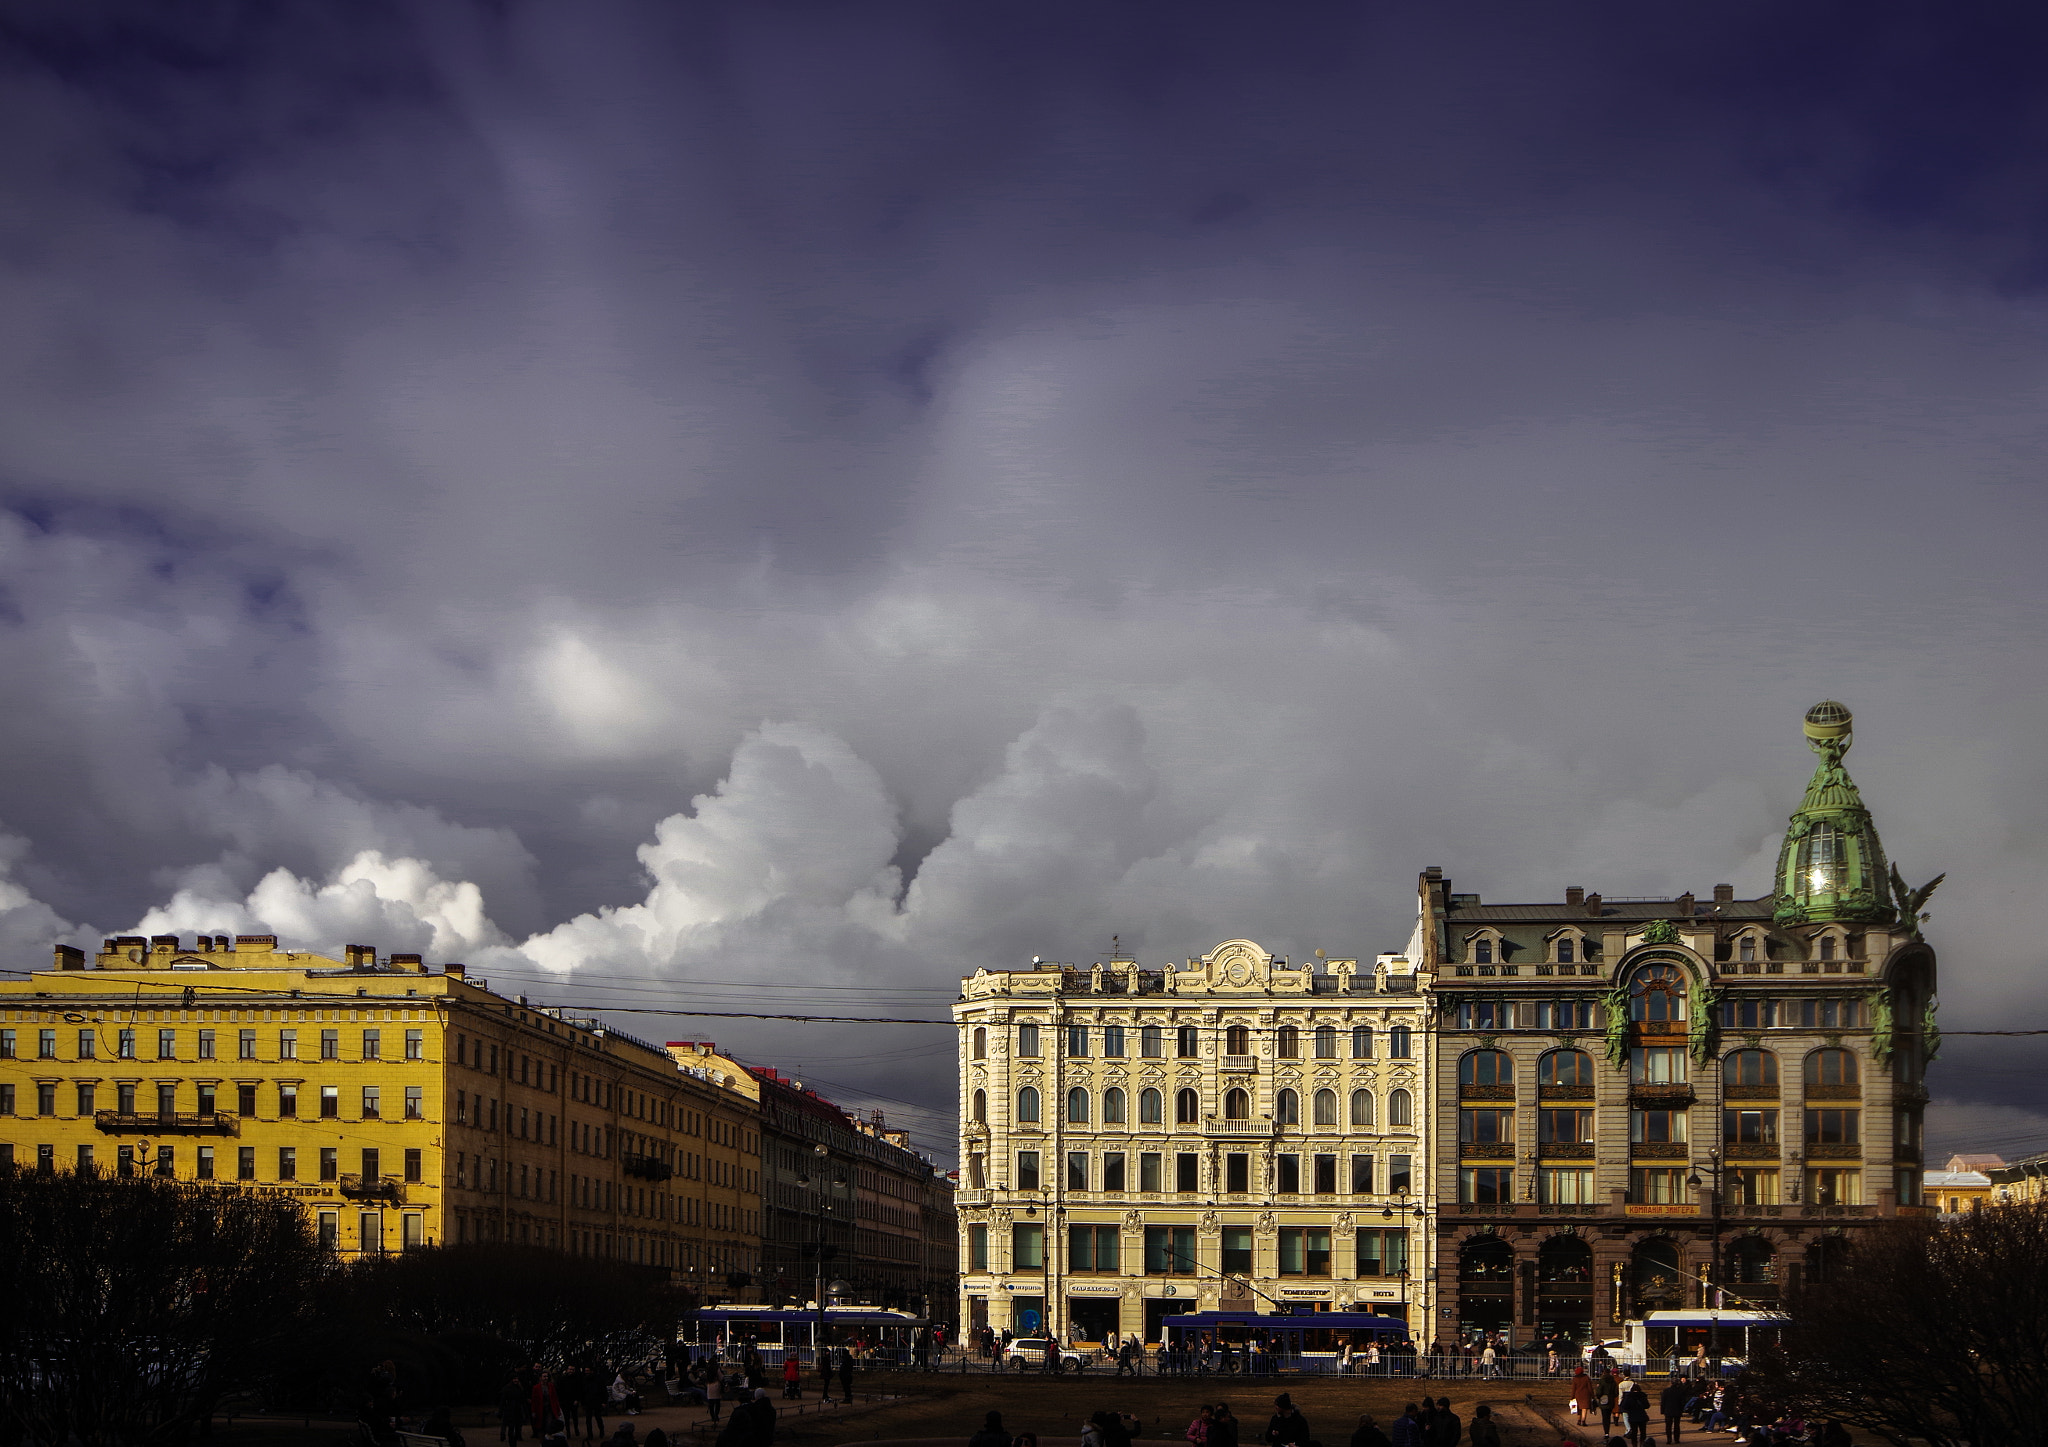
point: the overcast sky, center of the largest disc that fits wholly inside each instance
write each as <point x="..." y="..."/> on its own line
<point x="778" y="505"/>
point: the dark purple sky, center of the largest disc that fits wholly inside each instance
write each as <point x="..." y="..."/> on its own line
<point x="683" y="499"/>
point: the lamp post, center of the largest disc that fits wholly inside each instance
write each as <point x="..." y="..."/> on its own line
<point x="1404" y="1209"/>
<point x="1714" y="1264"/>
<point x="1049" y="1270"/>
<point x="818" y="1182"/>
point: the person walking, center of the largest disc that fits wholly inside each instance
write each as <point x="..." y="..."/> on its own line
<point x="547" y="1405"/>
<point x="792" y="1378"/>
<point x="1671" y="1402"/>
<point x="1635" y="1411"/>
<point x="714" y="1395"/>
<point x="1489" y="1363"/>
<point x="592" y="1379"/>
<point x="846" y="1375"/>
<point x="1582" y="1395"/>
<point x="513" y="1410"/>
<point x="1606" y="1395"/>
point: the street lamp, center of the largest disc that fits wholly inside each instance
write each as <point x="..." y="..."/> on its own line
<point x="1404" y="1208"/>
<point x="1714" y="1266"/>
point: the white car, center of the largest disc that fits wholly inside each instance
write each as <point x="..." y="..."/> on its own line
<point x="1615" y="1349"/>
<point x="1027" y="1354"/>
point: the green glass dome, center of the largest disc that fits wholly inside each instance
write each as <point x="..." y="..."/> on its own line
<point x="1832" y="864"/>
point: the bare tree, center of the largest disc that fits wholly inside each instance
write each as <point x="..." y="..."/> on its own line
<point x="1925" y="1333"/>
<point x="132" y="1306"/>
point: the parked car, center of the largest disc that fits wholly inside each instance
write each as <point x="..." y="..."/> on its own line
<point x="1027" y="1354"/>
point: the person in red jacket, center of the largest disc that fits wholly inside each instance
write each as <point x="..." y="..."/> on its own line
<point x="547" y="1405"/>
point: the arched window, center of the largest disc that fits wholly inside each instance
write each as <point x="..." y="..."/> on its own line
<point x="1820" y="859"/>
<point x="980" y="1042"/>
<point x="1657" y="994"/>
<point x="1287" y="1108"/>
<point x="1237" y="1040"/>
<point x="1323" y="1108"/>
<point x="1150" y="1107"/>
<point x="1750" y="1067"/>
<point x="981" y="1107"/>
<point x="1827" y="947"/>
<point x="1401" y="1110"/>
<point x="1187" y="1044"/>
<point x="1027" y="1103"/>
<point x="1482" y="950"/>
<point x="1831" y="1067"/>
<point x="1486" y="1067"/>
<point x="1077" y="1106"/>
<point x="1565" y="950"/>
<point x="1398" y="1042"/>
<point x="1187" y="1107"/>
<point x="1565" y="1067"/>
<point x="1745" y="949"/>
<point x="1361" y="1042"/>
<point x="1287" y="1043"/>
<point x="1326" y="1042"/>
<point x="1113" y="1106"/>
<point x="1361" y="1110"/>
<point x="1237" y="1105"/>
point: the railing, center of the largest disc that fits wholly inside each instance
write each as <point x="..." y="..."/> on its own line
<point x="1662" y="1094"/>
<point x="1659" y="1150"/>
<point x="646" y="1167"/>
<point x="1564" y="1092"/>
<point x="1240" y="1064"/>
<point x="1486" y="1150"/>
<point x="371" y="1188"/>
<point x="1565" y="1150"/>
<point x="113" y="1122"/>
<point x="1486" y="1092"/>
<point x="1213" y="1126"/>
<point x="1831" y="1152"/>
<point x="1750" y="1152"/>
<point x="1749" y="1092"/>
<point x="1833" y="1092"/>
<point x="970" y="1197"/>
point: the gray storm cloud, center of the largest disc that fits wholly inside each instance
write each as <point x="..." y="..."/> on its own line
<point x="712" y="507"/>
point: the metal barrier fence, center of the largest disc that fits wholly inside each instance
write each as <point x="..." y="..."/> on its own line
<point x="1092" y="1361"/>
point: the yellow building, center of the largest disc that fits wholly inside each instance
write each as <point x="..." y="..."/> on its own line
<point x="402" y="1104"/>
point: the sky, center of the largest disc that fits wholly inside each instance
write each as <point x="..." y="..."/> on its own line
<point x="774" y="506"/>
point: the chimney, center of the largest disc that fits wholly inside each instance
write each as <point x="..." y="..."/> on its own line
<point x="164" y="942"/>
<point x="256" y="944"/>
<point x="1574" y="894"/>
<point x="1593" y="904"/>
<point x="1685" y="905"/>
<point x="454" y="970"/>
<point x="402" y="962"/>
<point x="70" y="957"/>
<point x="1724" y="893"/>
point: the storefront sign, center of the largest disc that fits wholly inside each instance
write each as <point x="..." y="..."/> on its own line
<point x="1312" y="1293"/>
<point x="1634" y="1209"/>
<point x="1094" y="1288"/>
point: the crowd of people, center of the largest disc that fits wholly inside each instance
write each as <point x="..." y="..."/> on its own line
<point x="1710" y="1403"/>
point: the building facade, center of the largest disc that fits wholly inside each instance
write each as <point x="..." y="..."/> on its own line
<point x="1646" y="1104"/>
<point x="403" y="1105"/>
<point x="1241" y="1133"/>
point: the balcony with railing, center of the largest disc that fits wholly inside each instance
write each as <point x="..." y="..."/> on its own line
<point x="371" y="1188"/>
<point x="1663" y="1093"/>
<point x="1486" y="1092"/>
<point x="114" y="1122"/>
<point x="646" y="1167"/>
<point x="1214" y="1126"/>
<point x="1240" y="1064"/>
<point x="1564" y="1092"/>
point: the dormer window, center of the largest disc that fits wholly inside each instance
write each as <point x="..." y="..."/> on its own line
<point x="1827" y="947"/>
<point x="1745" y="949"/>
<point x="1565" y="951"/>
<point x="1482" y="950"/>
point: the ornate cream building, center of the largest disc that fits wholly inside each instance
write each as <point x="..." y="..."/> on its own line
<point x="1240" y="1133"/>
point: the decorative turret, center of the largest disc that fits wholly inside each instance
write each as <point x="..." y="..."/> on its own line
<point x="1832" y="865"/>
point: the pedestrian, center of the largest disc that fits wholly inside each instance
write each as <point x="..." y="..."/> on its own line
<point x="1582" y="1394"/>
<point x="1671" y="1402"/>
<point x="1288" y="1426"/>
<point x="825" y="1368"/>
<point x="1606" y="1395"/>
<point x="846" y="1375"/>
<point x="792" y="1378"/>
<point x="1198" y="1430"/>
<point x="1369" y="1434"/>
<point x="547" y="1406"/>
<point x="593" y="1403"/>
<point x="714" y="1395"/>
<point x="1091" y="1431"/>
<point x="991" y="1433"/>
<point x="1223" y="1427"/>
<point x="1372" y="1355"/>
<point x="1406" y="1431"/>
<point x="1485" y="1431"/>
<point x="1635" y="1411"/>
<point x="1445" y="1430"/>
<point x="1488" y="1362"/>
<point x="1552" y="1363"/>
<point x="513" y="1411"/>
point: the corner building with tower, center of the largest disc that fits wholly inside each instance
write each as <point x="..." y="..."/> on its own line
<point x="1649" y="1104"/>
<point x="1239" y="1134"/>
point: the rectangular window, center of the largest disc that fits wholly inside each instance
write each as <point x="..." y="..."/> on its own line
<point x="245" y="1045"/>
<point x="1169" y="1250"/>
<point x="1187" y="1172"/>
<point x="330" y="1045"/>
<point x="1564" y="1127"/>
<point x="415" y="1102"/>
<point x="1237" y="1250"/>
<point x="1564" y="1015"/>
<point x="372" y="1102"/>
<point x="1400" y="1174"/>
<point x="6" y="1044"/>
<point x="1113" y="1171"/>
<point x="330" y="1102"/>
<point x="370" y="1232"/>
<point x="1657" y="1127"/>
<point x="167" y="1045"/>
<point x="1326" y="1175"/>
<point x="1491" y="1125"/>
<point x="205" y="1171"/>
<point x="1400" y="1042"/>
<point x="1829" y="1014"/>
<point x="1832" y="1127"/>
<point x="1486" y="1185"/>
<point x="330" y="1229"/>
<point x="1567" y="1187"/>
<point x="1304" y="1251"/>
<point x="46" y="1098"/>
<point x="1749" y="1127"/>
<point x="1361" y="1042"/>
<point x="1382" y="1253"/>
<point x="125" y="1046"/>
<point x="1077" y="1040"/>
<point x="245" y="1099"/>
<point x="167" y="1160"/>
<point x="1151" y="1042"/>
<point x="415" y="1045"/>
<point x="1094" y="1248"/>
<point x="1149" y="1172"/>
<point x="245" y="1163"/>
<point x="124" y="1099"/>
<point x="1237" y="1173"/>
<point x="1749" y="1013"/>
<point x="462" y="1113"/>
<point x="373" y="1044"/>
<point x="1482" y="1015"/>
<point x="206" y="1105"/>
<point x="1027" y="1039"/>
<point x="86" y="1096"/>
<point x="46" y="1044"/>
<point x="124" y="1161"/>
<point x="1361" y="1175"/>
<point x="977" y="1248"/>
<point x="287" y="1045"/>
<point x="1751" y="1186"/>
<point x="1287" y="1174"/>
<point x="1113" y="1040"/>
<point x="206" y="1045"/>
<point x="330" y="1163"/>
<point x="1658" y="1186"/>
<point x="1077" y="1170"/>
<point x="6" y="1100"/>
<point x="287" y="1102"/>
<point x="1027" y="1246"/>
<point x="412" y="1230"/>
<point x="287" y="1163"/>
<point x="84" y="1159"/>
<point x="166" y="1100"/>
<point x="371" y="1163"/>
<point x="1027" y="1170"/>
<point x="412" y="1164"/>
<point x="1656" y="1065"/>
<point x="1830" y="1187"/>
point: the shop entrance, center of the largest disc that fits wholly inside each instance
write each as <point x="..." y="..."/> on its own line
<point x="1092" y="1318"/>
<point x="1157" y="1310"/>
